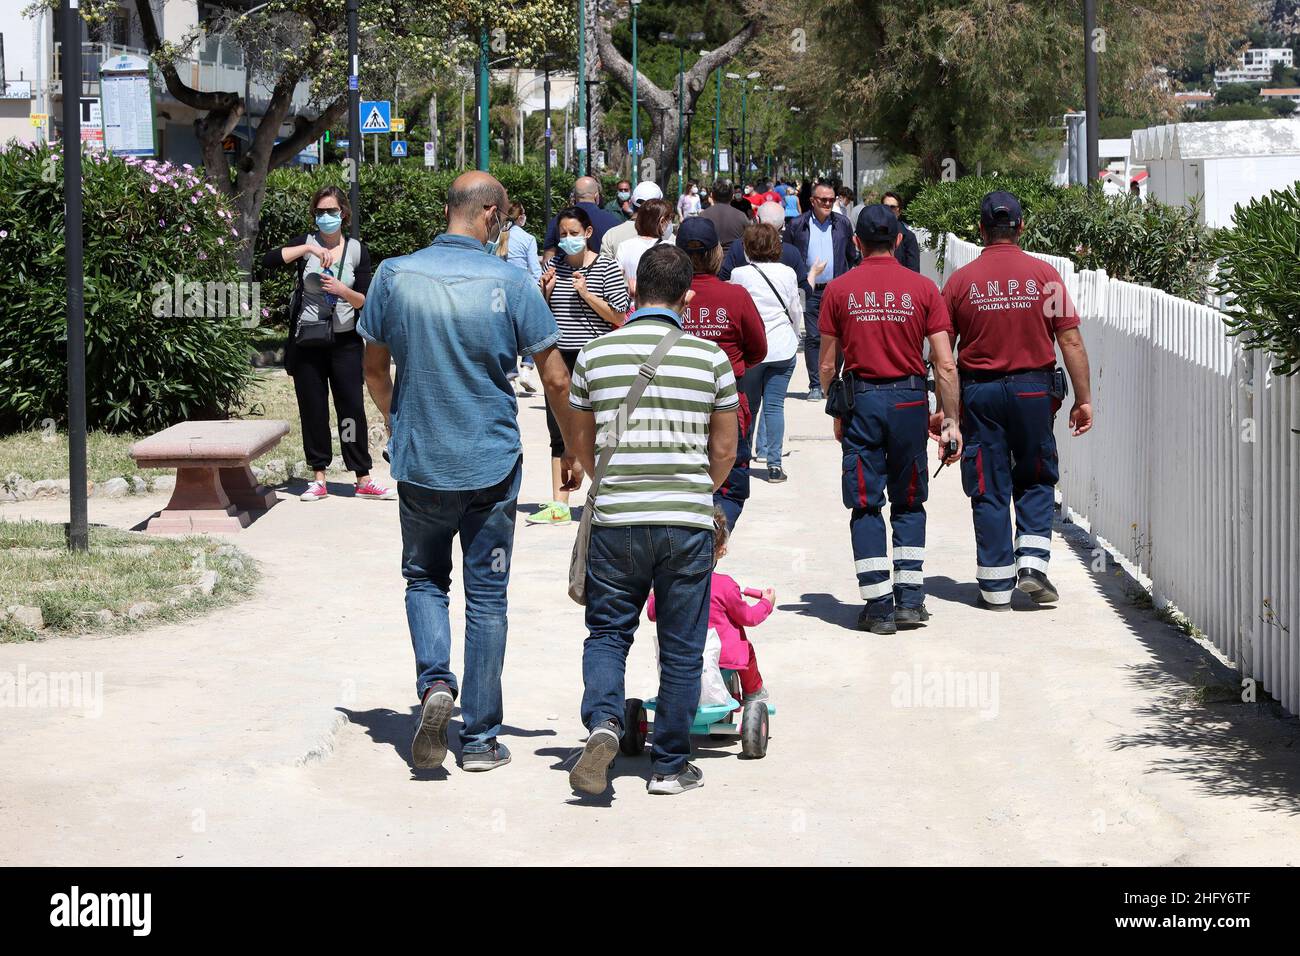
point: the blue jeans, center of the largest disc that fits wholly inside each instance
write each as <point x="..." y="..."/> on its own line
<point x="766" y="390"/>
<point x="624" y="564"/>
<point x="485" y="521"/>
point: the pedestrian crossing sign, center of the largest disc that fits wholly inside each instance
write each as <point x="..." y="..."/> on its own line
<point x="375" y="116"/>
<point x="399" y="148"/>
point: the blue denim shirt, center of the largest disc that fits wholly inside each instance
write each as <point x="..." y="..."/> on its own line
<point x="455" y="319"/>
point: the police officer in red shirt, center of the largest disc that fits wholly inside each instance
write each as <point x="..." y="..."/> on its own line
<point x="1007" y="308"/>
<point x="724" y="313"/>
<point x="881" y="315"/>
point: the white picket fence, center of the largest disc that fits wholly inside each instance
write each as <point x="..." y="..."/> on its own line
<point x="1192" y="471"/>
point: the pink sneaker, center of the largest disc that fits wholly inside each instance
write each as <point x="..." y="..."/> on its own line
<point x="316" y="491"/>
<point x="375" y="492"/>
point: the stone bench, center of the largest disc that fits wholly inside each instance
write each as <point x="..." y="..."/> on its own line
<point x="215" y="488"/>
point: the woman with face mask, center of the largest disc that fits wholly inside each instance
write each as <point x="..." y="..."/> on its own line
<point x="588" y="295"/>
<point x="324" y="352"/>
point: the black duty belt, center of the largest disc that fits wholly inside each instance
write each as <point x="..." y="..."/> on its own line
<point x="1033" y="376"/>
<point x="863" y="384"/>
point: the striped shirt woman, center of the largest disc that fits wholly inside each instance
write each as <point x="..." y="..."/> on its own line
<point x="588" y="297"/>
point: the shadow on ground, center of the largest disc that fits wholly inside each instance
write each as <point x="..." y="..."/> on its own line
<point x="396" y="729"/>
<point x="1228" y="747"/>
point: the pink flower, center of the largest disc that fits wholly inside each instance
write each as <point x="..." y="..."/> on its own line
<point x="203" y="255"/>
<point x="162" y="222"/>
<point x="153" y="188"/>
<point x="220" y="241"/>
<point x="186" y="228"/>
<point x="195" y="199"/>
<point x="4" y="233"/>
<point x="234" y="232"/>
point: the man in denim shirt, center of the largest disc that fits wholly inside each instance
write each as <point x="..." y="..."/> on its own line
<point x="455" y="318"/>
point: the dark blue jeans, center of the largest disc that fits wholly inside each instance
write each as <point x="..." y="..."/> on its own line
<point x="623" y="566"/>
<point x="812" y="337"/>
<point x="485" y="521"/>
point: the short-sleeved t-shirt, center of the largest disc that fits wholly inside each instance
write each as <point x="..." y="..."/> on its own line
<point x="579" y="323"/>
<point x="881" y="313"/>
<point x="1007" y="308"/>
<point x="724" y="313"/>
<point x="456" y="320"/>
<point x="659" y="473"/>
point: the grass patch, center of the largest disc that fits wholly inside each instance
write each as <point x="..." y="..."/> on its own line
<point x="39" y="454"/>
<point x="120" y="569"/>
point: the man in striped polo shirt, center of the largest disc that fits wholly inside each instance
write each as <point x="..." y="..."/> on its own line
<point x="652" y="527"/>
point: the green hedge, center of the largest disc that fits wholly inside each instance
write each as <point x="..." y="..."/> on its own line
<point x="1259" y="269"/>
<point x="401" y="211"/>
<point x="1144" y="242"/>
<point x="146" y="225"/>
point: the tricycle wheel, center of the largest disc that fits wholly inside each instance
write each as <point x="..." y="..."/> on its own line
<point x="733" y="685"/>
<point x="753" y="730"/>
<point x="634" y="728"/>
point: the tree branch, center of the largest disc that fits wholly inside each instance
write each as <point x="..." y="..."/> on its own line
<point x="183" y="92"/>
<point x="306" y="131"/>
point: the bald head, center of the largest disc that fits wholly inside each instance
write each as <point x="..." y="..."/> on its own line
<point x="586" y="189"/>
<point x="475" y="201"/>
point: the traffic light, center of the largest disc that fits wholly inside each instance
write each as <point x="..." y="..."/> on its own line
<point x="327" y="137"/>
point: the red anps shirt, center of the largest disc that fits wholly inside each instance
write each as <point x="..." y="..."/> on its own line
<point x="724" y="313"/>
<point x="1007" y="309"/>
<point x="881" y="312"/>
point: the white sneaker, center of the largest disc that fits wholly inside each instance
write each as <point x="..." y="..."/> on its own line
<point x="528" y="378"/>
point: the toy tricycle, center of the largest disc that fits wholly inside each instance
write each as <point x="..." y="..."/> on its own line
<point x="714" y="720"/>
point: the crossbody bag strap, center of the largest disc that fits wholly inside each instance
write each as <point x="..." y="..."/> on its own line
<point x="643" y="376"/>
<point x="779" y="297"/>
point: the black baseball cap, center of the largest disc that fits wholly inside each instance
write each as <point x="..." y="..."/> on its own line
<point x="1001" y="209"/>
<point x="876" y="224"/>
<point x="696" y="234"/>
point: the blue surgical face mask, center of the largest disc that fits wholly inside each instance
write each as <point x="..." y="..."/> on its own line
<point x="624" y="195"/>
<point x="572" y="245"/>
<point x="328" y="221"/>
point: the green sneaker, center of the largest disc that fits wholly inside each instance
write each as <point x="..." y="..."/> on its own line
<point x="552" y="512"/>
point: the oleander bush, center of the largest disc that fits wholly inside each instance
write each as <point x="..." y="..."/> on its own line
<point x="1259" y="275"/>
<point x="147" y="227"/>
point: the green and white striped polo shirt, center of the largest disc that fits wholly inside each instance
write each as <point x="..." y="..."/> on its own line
<point x="660" y="472"/>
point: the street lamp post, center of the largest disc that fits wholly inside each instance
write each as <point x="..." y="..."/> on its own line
<point x="78" y="509"/>
<point x="583" y="109"/>
<point x="635" y="108"/>
<point x="689" y="168"/>
<point x="717" y="125"/>
<point x="546" y="106"/>
<point x="482" y="95"/>
<point x="731" y="157"/>
<point x="354" y="118"/>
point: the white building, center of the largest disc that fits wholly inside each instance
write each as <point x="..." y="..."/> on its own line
<point x="34" y="82"/>
<point x="1218" y="165"/>
<point x="1255" y="65"/>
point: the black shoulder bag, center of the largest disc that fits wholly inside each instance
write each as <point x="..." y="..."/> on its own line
<point x="320" y="333"/>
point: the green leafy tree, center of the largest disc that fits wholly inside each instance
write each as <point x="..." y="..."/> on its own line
<point x="293" y="44"/>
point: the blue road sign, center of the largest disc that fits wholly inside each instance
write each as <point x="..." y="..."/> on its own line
<point x="376" y="116"/>
<point x="353" y="84"/>
<point x="343" y="143"/>
<point x="636" y="146"/>
<point x="398" y="147"/>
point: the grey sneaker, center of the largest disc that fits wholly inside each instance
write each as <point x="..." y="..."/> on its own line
<point x="590" y="773"/>
<point x="477" y="761"/>
<point x="760" y="694"/>
<point x="429" y="748"/>
<point x="688" y="778"/>
<point x="816" y="395"/>
<point x="1037" y="586"/>
<point x="911" y="616"/>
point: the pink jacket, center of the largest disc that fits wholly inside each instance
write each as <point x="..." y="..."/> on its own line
<point x="729" y="615"/>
